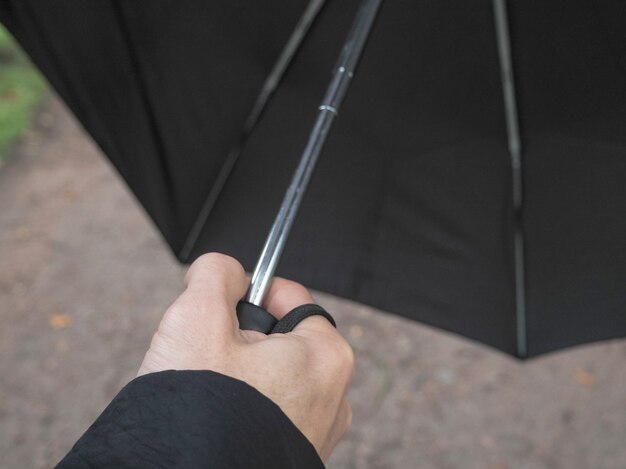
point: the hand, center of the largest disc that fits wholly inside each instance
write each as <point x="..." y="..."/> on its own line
<point x="305" y="372"/>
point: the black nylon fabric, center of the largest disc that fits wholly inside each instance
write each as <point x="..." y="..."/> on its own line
<point x="410" y="206"/>
<point x="410" y="209"/>
<point x="192" y="420"/>
<point x="571" y="70"/>
<point x="157" y="84"/>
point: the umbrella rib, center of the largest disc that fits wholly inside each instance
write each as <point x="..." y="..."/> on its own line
<point x="515" y="151"/>
<point x="267" y="91"/>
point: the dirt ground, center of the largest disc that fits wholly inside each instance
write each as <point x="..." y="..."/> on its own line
<point x="85" y="278"/>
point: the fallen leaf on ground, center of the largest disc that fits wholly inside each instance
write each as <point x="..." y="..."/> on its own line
<point x="21" y="233"/>
<point x="60" y="321"/>
<point x="584" y="377"/>
<point x="69" y="191"/>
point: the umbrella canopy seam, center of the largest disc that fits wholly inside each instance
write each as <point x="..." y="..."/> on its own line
<point x="150" y="112"/>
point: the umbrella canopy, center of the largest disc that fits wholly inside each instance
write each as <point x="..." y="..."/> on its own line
<point x="411" y="208"/>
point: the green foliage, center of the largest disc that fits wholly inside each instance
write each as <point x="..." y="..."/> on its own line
<point x="5" y="38"/>
<point x="21" y="88"/>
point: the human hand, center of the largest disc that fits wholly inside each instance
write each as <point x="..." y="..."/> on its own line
<point x="305" y="372"/>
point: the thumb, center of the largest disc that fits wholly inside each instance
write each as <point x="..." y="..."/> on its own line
<point x="215" y="283"/>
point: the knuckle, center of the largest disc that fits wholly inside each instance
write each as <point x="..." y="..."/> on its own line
<point x="349" y="357"/>
<point x="178" y="308"/>
<point x="343" y="355"/>
<point x="179" y="312"/>
<point x="218" y="260"/>
<point x="348" y="420"/>
<point x="215" y="265"/>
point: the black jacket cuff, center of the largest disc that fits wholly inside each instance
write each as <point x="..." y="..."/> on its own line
<point x="192" y="419"/>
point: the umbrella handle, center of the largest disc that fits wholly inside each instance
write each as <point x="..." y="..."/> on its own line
<point x="254" y="318"/>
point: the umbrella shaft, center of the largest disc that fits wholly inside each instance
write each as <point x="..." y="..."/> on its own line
<point x="275" y="243"/>
<point x="328" y="110"/>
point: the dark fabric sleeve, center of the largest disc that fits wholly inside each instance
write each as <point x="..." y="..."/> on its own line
<point x="192" y="419"/>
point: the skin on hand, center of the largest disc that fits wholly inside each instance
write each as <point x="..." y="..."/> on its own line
<point x="305" y="372"/>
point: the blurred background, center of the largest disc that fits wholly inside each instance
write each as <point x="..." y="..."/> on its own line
<point x="85" y="279"/>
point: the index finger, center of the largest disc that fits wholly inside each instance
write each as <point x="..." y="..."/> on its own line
<point x="215" y="283"/>
<point x="219" y="275"/>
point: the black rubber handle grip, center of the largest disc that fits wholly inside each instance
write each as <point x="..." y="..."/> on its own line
<point x="254" y="318"/>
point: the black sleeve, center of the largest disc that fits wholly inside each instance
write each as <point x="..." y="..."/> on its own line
<point x="192" y="419"/>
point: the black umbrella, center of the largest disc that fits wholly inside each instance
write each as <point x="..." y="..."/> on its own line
<point x="416" y="203"/>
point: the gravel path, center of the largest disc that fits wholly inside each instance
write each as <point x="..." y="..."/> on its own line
<point x="85" y="278"/>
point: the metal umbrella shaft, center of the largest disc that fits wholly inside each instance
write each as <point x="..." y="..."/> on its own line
<point x="328" y="110"/>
